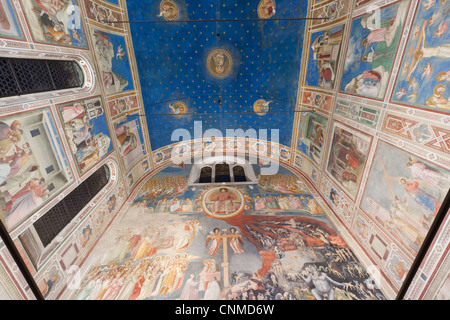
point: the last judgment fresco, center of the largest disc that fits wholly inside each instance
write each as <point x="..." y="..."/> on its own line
<point x="264" y="241"/>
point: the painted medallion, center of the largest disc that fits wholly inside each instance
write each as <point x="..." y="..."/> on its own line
<point x="168" y="10"/>
<point x="266" y="9"/>
<point x="219" y="63"/>
<point x="223" y="202"/>
<point x="261" y="107"/>
<point x="178" y="109"/>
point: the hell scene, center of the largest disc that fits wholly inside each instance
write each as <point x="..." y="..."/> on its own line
<point x="263" y="241"/>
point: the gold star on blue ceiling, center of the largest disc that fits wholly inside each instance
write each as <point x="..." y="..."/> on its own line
<point x="172" y="64"/>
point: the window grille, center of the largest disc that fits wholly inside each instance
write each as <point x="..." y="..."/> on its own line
<point x="25" y="76"/>
<point x="57" y="218"/>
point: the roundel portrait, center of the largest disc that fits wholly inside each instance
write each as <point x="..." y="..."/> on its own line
<point x="223" y="202"/>
<point x="168" y="10"/>
<point x="266" y="9"/>
<point x="219" y="63"/>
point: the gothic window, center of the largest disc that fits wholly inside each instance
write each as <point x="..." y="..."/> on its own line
<point x="221" y="170"/>
<point x="20" y="76"/>
<point x="239" y="174"/>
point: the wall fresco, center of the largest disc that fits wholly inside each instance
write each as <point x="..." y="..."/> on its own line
<point x="33" y="164"/>
<point x="424" y="78"/>
<point x="348" y="156"/>
<point x="324" y="57"/>
<point x="87" y="131"/>
<point x="312" y="133"/>
<point x="55" y="22"/>
<point x="130" y="140"/>
<point x="220" y="252"/>
<point x="330" y="12"/>
<point x="383" y="240"/>
<point x="317" y="100"/>
<point x="113" y="61"/>
<point x="99" y="13"/>
<point x="360" y="113"/>
<point x="371" y="50"/>
<point x="403" y="194"/>
<point x="9" y="25"/>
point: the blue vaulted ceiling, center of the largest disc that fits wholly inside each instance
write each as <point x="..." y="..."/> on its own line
<point x="172" y="65"/>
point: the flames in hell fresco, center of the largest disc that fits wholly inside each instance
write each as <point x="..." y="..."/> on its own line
<point x="265" y="241"/>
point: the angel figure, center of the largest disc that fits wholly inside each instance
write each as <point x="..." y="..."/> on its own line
<point x="441" y="29"/>
<point x="235" y="241"/>
<point x="401" y="93"/>
<point x="427" y="70"/>
<point x="216" y="241"/>
<point x="120" y="53"/>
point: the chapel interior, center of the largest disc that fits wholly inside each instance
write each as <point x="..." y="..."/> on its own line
<point x="224" y="150"/>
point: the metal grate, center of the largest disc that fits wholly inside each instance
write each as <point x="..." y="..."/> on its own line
<point x="25" y="76"/>
<point x="8" y="84"/>
<point x="57" y="218"/>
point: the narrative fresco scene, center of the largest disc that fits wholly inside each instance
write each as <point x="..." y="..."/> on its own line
<point x="33" y="166"/>
<point x="9" y="25"/>
<point x="404" y="194"/>
<point x="371" y="50"/>
<point x="111" y="53"/>
<point x="348" y="155"/>
<point x="267" y="241"/>
<point x="86" y="131"/>
<point x="55" y="22"/>
<point x="424" y="79"/>
<point x="130" y="140"/>
<point x="323" y="62"/>
<point x="312" y="135"/>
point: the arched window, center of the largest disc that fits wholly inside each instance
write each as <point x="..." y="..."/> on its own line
<point x="205" y="175"/>
<point x="222" y="170"/>
<point x="222" y="173"/>
<point x="239" y="174"/>
<point x="20" y="76"/>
